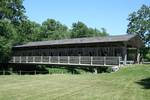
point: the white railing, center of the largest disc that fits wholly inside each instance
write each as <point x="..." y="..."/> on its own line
<point x="68" y="60"/>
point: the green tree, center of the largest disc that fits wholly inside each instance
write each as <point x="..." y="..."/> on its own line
<point x="28" y="31"/>
<point x="139" y="23"/>
<point x="11" y="15"/>
<point x="79" y="30"/>
<point x="7" y="32"/>
<point x="52" y="29"/>
<point x="12" y="10"/>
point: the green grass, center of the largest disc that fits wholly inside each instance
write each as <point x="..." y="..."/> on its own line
<point x="130" y="83"/>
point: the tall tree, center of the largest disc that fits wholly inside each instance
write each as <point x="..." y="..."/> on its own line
<point x="79" y="30"/>
<point x="52" y="29"/>
<point x="139" y="23"/>
<point x="12" y="10"/>
<point x="11" y="14"/>
<point x="7" y="32"/>
<point x="28" y="31"/>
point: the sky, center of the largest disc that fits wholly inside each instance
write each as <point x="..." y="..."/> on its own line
<point x="109" y="14"/>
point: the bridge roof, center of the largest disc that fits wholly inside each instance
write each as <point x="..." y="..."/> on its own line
<point x="87" y="40"/>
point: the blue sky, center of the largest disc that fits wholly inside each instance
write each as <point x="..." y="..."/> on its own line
<point x="110" y="14"/>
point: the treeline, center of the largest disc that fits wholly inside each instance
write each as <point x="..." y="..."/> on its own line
<point x="16" y="28"/>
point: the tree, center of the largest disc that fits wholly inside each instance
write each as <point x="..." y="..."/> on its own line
<point x="52" y="29"/>
<point x="28" y="31"/>
<point x="139" y="23"/>
<point x="11" y="15"/>
<point x="12" y="10"/>
<point x="7" y="32"/>
<point x="79" y="30"/>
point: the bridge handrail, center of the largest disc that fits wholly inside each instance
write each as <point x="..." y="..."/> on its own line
<point x="89" y="60"/>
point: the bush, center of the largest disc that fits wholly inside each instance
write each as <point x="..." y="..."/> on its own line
<point x="146" y="53"/>
<point x="109" y="70"/>
<point x="57" y="70"/>
<point x="147" y="56"/>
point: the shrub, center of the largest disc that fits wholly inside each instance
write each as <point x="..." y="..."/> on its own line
<point x="146" y="53"/>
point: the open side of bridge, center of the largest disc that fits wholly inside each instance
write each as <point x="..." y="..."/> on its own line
<point x="68" y="60"/>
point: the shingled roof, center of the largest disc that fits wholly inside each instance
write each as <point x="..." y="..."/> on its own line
<point x="104" y="39"/>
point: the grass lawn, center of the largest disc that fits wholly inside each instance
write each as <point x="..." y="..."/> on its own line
<point x="130" y="83"/>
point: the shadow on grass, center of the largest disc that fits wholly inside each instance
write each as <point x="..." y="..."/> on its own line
<point x="145" y="83"/>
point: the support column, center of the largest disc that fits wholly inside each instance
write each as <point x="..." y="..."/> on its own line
<point x="91" y="60"/>
<point x="68" y="60"/>
<point x="138" y="56"/>
<point x="49" y="58"/>
<point x="119" y="61"/>
<point x="14" y="59"/>
<point x="79" y="59"/>
<point x="20" y="59"/>
<point x="125" y="55"/>
<point x="58" y="59"/>
<point x="95" y="70"/>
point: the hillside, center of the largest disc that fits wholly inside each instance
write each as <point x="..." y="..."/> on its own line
<point x="130" y="83"/>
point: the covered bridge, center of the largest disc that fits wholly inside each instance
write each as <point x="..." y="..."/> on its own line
<point x="93" y="51"/>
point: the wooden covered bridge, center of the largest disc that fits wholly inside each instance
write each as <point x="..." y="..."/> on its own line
<point x="93" y="51"/>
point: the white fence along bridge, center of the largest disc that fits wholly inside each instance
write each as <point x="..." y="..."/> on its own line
<point x="68" y="60"/>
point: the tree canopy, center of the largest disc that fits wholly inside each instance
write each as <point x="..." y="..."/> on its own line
<point x="79" y="29"/>
<point x="139" y="23"/>
<point x="52" y="29"/>
<point x="11" y="15"/>
<point x="12" y="10"/>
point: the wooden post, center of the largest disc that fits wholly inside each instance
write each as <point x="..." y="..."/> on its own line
<point x="26" y="59"/>
<point x="58" y="59"/>
<point x="104" y="60"/>
<point x="68" y="60"/>
<point x="125" y="54"/>
<point x="138" y="56"/>
<point x="49" y="59"/>
<point x="33" y="59"/>
<point x="91" y="60"/>
<point x="14" y="59"/>
<point x="79" y="59"/>
<point x="41" y="59"/>
<point x="119" y="60"/>
<point x="20" y="59"/>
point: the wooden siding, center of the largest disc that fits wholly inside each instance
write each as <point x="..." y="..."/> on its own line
<point x="88" y="51"/>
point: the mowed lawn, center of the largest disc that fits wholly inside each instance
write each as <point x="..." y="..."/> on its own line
<point x="130" y="83"/>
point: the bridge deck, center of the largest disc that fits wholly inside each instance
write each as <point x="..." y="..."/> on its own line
<point x="68" y="60"/>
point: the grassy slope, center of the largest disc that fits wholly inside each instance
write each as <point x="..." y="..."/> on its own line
<point x="114" y="86"/>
